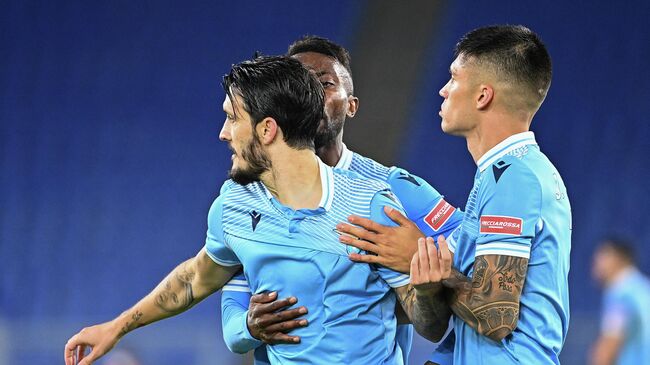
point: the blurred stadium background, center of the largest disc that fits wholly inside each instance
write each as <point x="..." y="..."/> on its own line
<point x="109" y="156"/>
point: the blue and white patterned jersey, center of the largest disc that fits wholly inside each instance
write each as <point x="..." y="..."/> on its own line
<point x="422" y="204"/>
<point x="297" y="253"/>
<point x="518" y="207"/>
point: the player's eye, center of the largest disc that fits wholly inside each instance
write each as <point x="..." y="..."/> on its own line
<point x="327" y="83"/>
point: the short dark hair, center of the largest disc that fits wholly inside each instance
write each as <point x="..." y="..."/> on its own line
<point x="515" y="52"/>
<point x="281" y="88"/>
<point x="312" y="43"/>
<point x="621" y="246"/>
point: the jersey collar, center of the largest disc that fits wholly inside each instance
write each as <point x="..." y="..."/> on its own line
<point x="327" y="183"/>
<point x="345" y="160"/>
<point x="504" y="147"/>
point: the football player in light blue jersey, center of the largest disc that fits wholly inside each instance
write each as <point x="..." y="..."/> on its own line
<point x="624" y="337"/>
<point x="279" y="217"/>
<point x="511" y="297"/>
<point x="245" y="329"/>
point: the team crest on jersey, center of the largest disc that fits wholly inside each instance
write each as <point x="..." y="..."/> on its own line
<point x="498" y="224"/>
<point x="439" y="215"/>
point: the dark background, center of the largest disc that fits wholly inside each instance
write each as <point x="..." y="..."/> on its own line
<point x="109" y="153"/>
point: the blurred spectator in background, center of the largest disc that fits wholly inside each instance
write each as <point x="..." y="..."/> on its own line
<point x="625" y="323"/>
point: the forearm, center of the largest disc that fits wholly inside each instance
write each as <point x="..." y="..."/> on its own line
<point x="605" y="350"/>
<point x="428" y="312"/>
<point x="489" y="303"/>
<point x="186" y="285"/>
<point x="233" y="320"/>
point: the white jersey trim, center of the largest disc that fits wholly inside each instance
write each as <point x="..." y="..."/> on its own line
<point x="502" y="148"/>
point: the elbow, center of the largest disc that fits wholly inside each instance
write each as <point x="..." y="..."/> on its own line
<point x="235" y="347"/>
<point x="434" y="335"/>
<point x="500" y="333"/>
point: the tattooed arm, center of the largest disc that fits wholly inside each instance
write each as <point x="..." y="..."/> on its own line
<point x="189" y="283"/>
<point x="490" y="304"/>
<point x="423" y="299"/>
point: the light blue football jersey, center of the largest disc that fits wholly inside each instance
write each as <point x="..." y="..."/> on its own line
<point x="297" y="253"/>
<point x="423" y="205"/>
<point x="518" y="207"/>
<point x="625" y="314"/>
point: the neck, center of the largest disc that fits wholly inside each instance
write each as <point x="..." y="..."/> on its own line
<point x="294" y="178"/>
<point x="619" y="274"/>
<point x="490" y="133"/>
<point x="331" y="153"/>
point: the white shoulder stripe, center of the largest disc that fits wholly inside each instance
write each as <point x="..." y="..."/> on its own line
<point x="240" y="289"/>
<point x="219" y="261"/>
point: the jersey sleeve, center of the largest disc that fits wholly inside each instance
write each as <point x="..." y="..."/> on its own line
<point x="510" y="201"/>
<point x="381" y="199"/>
<point x="616" y="316"/>
<point x="423" y="204"/>
<point x="215" y="243"/>
<point x="234" y="311"/>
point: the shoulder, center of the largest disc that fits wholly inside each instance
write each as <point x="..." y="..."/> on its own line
<point x="354" y="181"/>
<point x="512" y="173"/>
<point x="368" y="167"/>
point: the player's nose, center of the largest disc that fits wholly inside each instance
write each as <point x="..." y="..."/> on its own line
<point x="224" y="134"/>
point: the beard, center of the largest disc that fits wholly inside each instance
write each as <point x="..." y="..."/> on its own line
<point x="327" y="133"/>
<point x="257" y="163"/>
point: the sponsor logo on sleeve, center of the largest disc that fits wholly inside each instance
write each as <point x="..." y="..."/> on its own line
<point x="439" y="215"/>
<point x="498" y="224"/>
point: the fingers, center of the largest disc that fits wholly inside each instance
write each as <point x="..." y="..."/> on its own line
<point x="267" y="320"/>
<point x="396" y="216"/>
<point x="280" y="337"/>
<point x="423" y="259"/>
<point x="445" y="257"/>
<point x="361" y="232"/>
<point x="434" y="261"/>
<point x="415" y="269"/>
<point x="367" y="224"/>
<point x="267" y="297"/>
<point x="287" y="326"/>
<point x="265" y="303"/>
<point x="360" y="244"/>
<point x="70" y="350"/>
<point x="369" y="259"/>
<point x="277" y="305"/>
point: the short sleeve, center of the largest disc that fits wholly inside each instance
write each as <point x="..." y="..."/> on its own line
<point x="215" y="244"/>
<point x="616" y="316"/>
<point x="423" y="204"/>
<point x="381" y="199"/>
<point x="510" y="201"/>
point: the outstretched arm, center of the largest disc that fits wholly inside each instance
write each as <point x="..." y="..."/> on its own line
<point x="189" y="283"/>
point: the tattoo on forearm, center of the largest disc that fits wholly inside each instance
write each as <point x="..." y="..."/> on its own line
<point x="428" y="313"/>
<point x="132" y="323"/>
<point x="177" y="294"/>
<point x="491" y="304"/>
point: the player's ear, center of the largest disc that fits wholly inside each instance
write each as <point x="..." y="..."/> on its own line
<point x="353" y="106"/>
<point x="485" y="96"/>
<point x="267" y="130"/>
